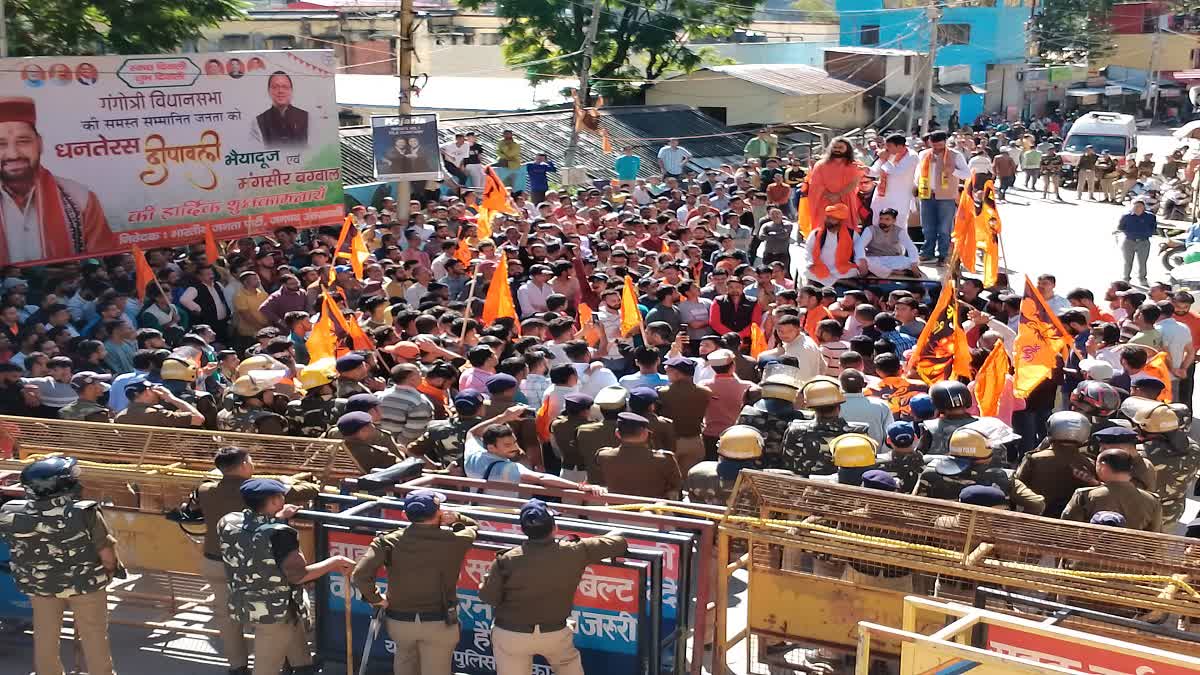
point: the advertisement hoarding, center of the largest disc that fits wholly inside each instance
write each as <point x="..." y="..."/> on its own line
<point x="103" y="152"/>
<point x="1034" y="645"/>
<point x="406" y="147"/>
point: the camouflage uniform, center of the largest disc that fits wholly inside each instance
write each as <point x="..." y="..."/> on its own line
<point x="806" y="444"/>
<point x="936" y="439"/>
<point x="444" y="441"/>
<point x="311" y="416"/>
<point x="935" y="485"/>
<point x="1176" y="470"/>
<point x="704" y="486"/>
<point x="905" y="466"/>
<point x="771" y="417"/>
<point x="258" y="592"/>
<point x="251" y="421"/>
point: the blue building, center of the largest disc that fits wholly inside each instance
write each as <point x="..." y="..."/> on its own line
<point x="983" y="43"/>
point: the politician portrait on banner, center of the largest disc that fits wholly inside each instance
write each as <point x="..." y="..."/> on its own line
<point x="155" y="150"/>
<point x="406" y="148"/>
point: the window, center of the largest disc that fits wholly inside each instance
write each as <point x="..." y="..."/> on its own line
<point x="869" y="35"/>
<point x="954" y="34"/>
<point x="908" y="65"/>
<point x="281" y="42"/>
<point x="234" y="42"/>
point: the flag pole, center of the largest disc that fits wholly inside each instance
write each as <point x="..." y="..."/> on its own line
<point x="470" y="303"/>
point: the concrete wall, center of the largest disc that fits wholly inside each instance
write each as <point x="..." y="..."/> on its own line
<point x="1175" y="52"/>
<point x="746" y="103"/>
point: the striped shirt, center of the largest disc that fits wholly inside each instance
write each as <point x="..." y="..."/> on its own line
<point x="832" y="353"/>
<point x="406" y="412"/>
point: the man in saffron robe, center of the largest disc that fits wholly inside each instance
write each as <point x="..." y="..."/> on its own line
<point x="41" y="215"/>
<point x="831" y="248"/>
<point x="835" y="180"/>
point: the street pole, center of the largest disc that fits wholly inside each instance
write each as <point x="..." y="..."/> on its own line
<point x="404" y="51"/>
<point x="1152" y="72"/>
<point x="585" y="70"/>
<point x="934" y="12"/>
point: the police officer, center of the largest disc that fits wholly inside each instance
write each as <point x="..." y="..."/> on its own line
<point x="352" y="373"/>
<point x="145" y="407"/>
<point x="1097" y="401"/>
<point x="577" y="409"/>
<point x="367" y="443"/>
<point x="593" y="436"/>
<point x="178" y="374"/>
<point x="644" y="401"/>
<point x="444" y="441"/>
<point x="252" y="398"/>
<point x="91" y="388"/>
<point x="422" y="562"/>
<point x="904" y="461"/>
<point x="1141" y="509"/>
<point x="636" y="468"/>
<point x="739" y="447"/>
<point x="532" y="590"/>
<point x="951" y="399"/>
<point x="1145" y="476"/>
<point x="314" y="414"/>
<point x="775" y="410"/>
<point x="266" y="572"/>
<point x="853" y="455"/>
<point x="806" y="442"/>
<point x="686" y="403"/>
<point x="62" y="557"/>
<point x="215" y="499"/>
<point x="969" y="462"/>
<point x="1175" y="468"/>
<point x="1062" y="466"/>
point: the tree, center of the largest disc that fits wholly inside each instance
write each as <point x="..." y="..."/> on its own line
<point x="1069" y="31"/>
<point x="63" y="27"/>
<point x="638" y="39"/>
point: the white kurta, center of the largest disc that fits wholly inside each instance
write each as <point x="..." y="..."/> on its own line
<point x="884" y="266"/>
<point x="828" y="255"/>
<point x="901" y="178"/>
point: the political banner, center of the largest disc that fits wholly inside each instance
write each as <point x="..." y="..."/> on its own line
<point x="99" y="153"/>
<point x="608" y="619"/>
<point x="406" y="147"/>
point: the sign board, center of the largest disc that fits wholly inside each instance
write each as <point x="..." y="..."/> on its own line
<point x="1093" y="657"/>
<point x="610" y="614"/>
<point x="1113" y="90"/>
<point x="406" y="148"/>
<point x="149" y="150"/>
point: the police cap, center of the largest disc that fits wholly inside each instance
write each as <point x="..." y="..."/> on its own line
<point x="612" y="398"/>
<point x="262" y="487"/>
<point x="421" y="504"/>
<point x="576" y="402"/>
<point x="878" y="479"/>
<point x="468" y="402"/>
<point x="1148" y="384"/>
<point x="1116" y="436"/>
<point x="501" y="382"/>
<point x="901" y="434"/>
<point x="536" y="512"/>
<point x="643" y="396"/>
<point x="682" y="364"/>
<point x="983" y="495"/>
<point x="1109" y="518"/>
<point x="362" y="403"/>
<point x="349" y="362"/>
<point x="353" y="422"/>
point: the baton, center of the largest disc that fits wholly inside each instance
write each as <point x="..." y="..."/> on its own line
<point x="372" y="633"/>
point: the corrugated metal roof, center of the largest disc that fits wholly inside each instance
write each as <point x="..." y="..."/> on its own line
<point x="646" y="128"/>
<point x="878" y="51"/>
<point x="793" y="80"/>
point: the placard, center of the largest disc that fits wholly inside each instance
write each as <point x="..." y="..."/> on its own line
<point x="406" y="147"/>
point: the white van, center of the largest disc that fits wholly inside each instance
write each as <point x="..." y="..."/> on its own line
<point x="1113" y="132"/>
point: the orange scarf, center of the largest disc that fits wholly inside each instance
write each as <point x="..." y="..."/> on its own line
<point x="881" y="191"/>
<point x="62" y="235"/>
<point x="843" y="258"/>
<point x="926" y="178"/>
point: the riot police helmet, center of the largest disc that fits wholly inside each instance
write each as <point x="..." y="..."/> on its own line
<point x="1095" y="398"/>
<point x="1068" y="426"/>
<point x="50" y="476"/>
<point x="949" y="395"/>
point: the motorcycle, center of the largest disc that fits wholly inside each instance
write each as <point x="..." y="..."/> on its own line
<point x="1176" y="201"/>
<point x="1173" y="252"/>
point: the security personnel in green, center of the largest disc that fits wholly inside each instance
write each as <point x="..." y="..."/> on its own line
<point x="178" y="373"/>
<point x="1062" y="466"/>
<point x="1175" y="467"/>
<point x="593" y="436"/>
<point x="806" y="448"/>
<point x="774" y="411"/>
<point x="421" y="604"/>
<point x="853" y="455"/>
<point x="644" y="401"/>
<point x="531" y="589"/>
<point x="952" y="400"/>
<point x="904" y="461"/>
<point x="267" y="573"/>
<point x="314" y="414"/>
<point x="969" y="462"/>
<point x="739" y="447"/>
<point x="371" y="447"/>
<point x="636" y="468"/>
<point x="1117" y="492"/>
<point x="62" y="557"/>
<point x="564" y="433"/>
<point x="252" y="399"/>
<point x="444" y="441"/>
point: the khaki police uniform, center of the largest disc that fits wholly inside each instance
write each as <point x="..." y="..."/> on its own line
<point x="153" y="416"/>
<point x="564" y="433"/>
<point x="662" y="432"/>
<point x="590" y="439"/>
<point x="422" y="564"/>
<point x="686" y="403"/>
<point x="532" y="591"/>
<point x="380" y="452"/>
<point x="1141" y="509"/>
<point x="636" y="469"/>
<point x="1054" y="473"/>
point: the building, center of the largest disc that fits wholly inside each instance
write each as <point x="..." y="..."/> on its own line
<point x="1149" y="40"/>
<point x="893" y="79"/>
<point x="983" y="42"/>
<point x="360" y="96"/>
<point x="765" y="94"/>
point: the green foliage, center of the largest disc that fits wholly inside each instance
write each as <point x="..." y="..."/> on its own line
<point x="1069" y="31"/>
<point x="638" y="39"/>
<point x="54" y="27"/>
<point x="819" y="10"/>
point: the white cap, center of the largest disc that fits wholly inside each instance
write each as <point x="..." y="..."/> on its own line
<point x="720" y="357"/>
<point x="1096" y="369"/>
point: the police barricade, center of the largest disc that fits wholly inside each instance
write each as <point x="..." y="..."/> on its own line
<point x="615" y="631"/>
<point x="676" y="546"/>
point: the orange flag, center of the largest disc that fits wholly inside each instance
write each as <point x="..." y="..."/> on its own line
<point x="495" y="194"/>
<point x="542" y="420"/>
<point x="1040" y="339"/>
<point x="987" y="226"/>
<point x="347" y="225"/>
<point x="803" y="217"/>
<point x="462" y="253"/>
<point x="483" y="224"/>
<point x="210" y="245"/>
<point x="144" y="275"/>
<point x="630" y="316"/>
<point x="964" y="229"/>
<point x="758" y="341"/>
<point x="942" y="351"/>
<point x="322" y="342"/>
<point x="358" y="255"/>
<point x="1159" y="366"/>
<point x="989" y="381"/>
<point x="665" y="248"/>
<point x="499" y="301"/>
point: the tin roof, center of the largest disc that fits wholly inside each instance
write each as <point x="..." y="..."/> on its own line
<point x="793" y="80"/>
<point x="645" y="127"/>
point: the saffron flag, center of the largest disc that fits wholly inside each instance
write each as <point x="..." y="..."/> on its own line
<point x="964" y="229"/>
<point x="665" y="248"/>
<point x="630" y="316"/>
<point x="322" y="342"/>
<point x="1040" y="339"/>
<point x="1159" y="366"/>
<point x="462" y="253"/>
<point x="358" y="255"/>
<point x="358" y="338"/>
<point x="803" y="217"/>
<point x="483" y="224"/>
<point x="542" y="420"/>
<point x="591" y="331"/>
<point x="990" y="380"/>
<point x="210" y="245"/>
<point x="347" y="225"/>
<point x="495" y="194"/>
<point x="987" y="228"/>
<point x="758" y="341"/>
<point x="499" y="301"/>
<point x="942" y="351"/>
<point x="144" y="275"/>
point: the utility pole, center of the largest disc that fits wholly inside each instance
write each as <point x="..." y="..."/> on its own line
<point x="404" y="54"/>
<point x="934" y="12"/>
<point x="585" y="71"/>
<point x="1152" y="73"/>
